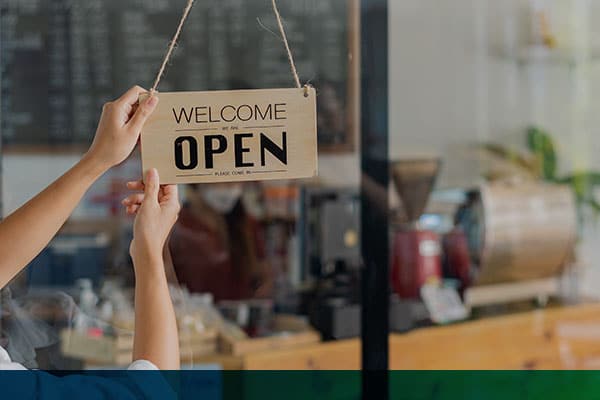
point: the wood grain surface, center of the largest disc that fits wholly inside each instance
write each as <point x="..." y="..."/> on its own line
<point x="557" y="338"/>
<point x="227" y="136"/>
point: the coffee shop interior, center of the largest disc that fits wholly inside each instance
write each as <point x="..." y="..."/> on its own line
<point x="455" y="208"/>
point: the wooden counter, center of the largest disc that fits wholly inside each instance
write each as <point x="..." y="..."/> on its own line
<point x="566" y="337"/>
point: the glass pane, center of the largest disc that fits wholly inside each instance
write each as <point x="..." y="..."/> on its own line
<point x="491" y="114"/>
<point x="251" y="267"/>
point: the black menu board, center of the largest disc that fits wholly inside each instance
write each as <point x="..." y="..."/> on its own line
<point x="62" y="59"/>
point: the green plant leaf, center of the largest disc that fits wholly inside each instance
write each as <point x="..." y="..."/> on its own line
<point x="541" y="145"/>
<point x="595" y="206"/>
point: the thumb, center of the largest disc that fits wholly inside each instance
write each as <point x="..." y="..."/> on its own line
<point x="145" y="109"/>
<point x="152" y="186"/>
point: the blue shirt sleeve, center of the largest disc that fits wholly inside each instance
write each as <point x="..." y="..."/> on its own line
<point x="96" y="385"/>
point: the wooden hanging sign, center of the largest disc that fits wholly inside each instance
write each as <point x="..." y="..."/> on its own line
<point x="229" y="136"/>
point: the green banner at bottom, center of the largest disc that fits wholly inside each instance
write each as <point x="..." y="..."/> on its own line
<point x="414" y="385"/>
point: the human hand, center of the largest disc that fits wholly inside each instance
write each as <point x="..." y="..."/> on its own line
<point x="119" y="127"/>
<point x="156" y="211"/>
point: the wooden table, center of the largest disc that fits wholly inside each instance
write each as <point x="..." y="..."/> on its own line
<point x="565" y="337"/>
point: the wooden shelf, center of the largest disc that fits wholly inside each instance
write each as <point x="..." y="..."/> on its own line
<point x="563" y="337"/>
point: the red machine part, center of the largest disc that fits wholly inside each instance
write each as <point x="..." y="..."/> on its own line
<point x="416" y="261"/>
<point x="456" y="250"/>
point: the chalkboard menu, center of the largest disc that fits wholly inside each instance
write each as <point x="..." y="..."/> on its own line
<point x="62" y="59"/>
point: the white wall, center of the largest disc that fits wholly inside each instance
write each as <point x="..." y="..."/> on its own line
<point x="340" y="170"/>
<point x="452" y="83"/>
<point x="25" y="175"/>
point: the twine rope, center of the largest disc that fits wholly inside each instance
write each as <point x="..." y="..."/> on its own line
<point x="161" y="71"/>
<point x="287" y="45"/>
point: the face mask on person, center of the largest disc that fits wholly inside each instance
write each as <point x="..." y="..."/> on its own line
<point x="222" y="198"/>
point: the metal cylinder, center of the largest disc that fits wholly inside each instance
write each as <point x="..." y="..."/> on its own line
<point x="528" y="231"/>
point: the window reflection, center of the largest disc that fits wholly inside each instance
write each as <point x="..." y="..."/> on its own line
<point x="238" y="268"/>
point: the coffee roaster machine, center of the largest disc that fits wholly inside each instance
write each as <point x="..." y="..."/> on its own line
<point x="416" y="251"/>
<point x="419" y="253"/>
<point x="521" y="240"/>
<point x="509" y="241"/>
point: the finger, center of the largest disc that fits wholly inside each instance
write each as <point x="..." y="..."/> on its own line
<point x="171" y="197"/>
<point x="131" y="110"/>
<point x="135" y="185"/>
<point x="136" y="123"/>
<point x="167" y="192"/>
<point x="132" y="209"/>
<point x="170" y="191"/>
<point x="131" y="96"/>
<point x="152" y="186"/>
<point x="136" y="198"/>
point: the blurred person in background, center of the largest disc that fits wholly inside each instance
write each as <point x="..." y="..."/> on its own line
<point x="218" y="246"/>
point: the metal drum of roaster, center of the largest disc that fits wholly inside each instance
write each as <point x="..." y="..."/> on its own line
<point x="526" y="231"/>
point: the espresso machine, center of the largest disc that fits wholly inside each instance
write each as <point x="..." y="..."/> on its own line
<point x="330" y="227"/>
<point x="416" y="252"/>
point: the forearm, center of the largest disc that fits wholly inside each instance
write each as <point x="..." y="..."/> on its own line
<point x="155" y="338"/>
<point x="169" y="265"/>
<point x="28" y="230"/>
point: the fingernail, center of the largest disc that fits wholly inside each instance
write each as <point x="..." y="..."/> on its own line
<point x="152" y="100"/>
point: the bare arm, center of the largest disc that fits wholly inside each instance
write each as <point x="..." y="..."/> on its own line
<point x="169" y="265"/>
<point x="156" y="338"/>
<point x="28" y="230"/>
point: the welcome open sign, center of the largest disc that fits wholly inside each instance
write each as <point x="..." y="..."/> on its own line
<point x="227" y="136"/>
